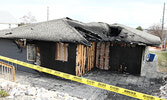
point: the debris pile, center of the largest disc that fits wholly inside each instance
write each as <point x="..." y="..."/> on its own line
<point x="17" y="90"/>
<point x="163" y="91"/>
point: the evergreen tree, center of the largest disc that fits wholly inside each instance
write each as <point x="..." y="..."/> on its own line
<point x="139" y="28"/>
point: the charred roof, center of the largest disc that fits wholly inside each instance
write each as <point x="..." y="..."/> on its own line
<point x="68" y="30"/>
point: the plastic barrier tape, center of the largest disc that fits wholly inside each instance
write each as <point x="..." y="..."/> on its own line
<point x="108" y="87"/>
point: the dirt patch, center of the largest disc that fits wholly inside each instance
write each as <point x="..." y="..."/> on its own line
<point x="162" y="69"/>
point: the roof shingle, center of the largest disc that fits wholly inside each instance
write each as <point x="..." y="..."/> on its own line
<point x="68" y="30"/>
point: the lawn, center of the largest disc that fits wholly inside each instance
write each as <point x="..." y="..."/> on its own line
<point x="162" y="60"/>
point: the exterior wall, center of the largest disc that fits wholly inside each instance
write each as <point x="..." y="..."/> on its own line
<point x="130" y="57"/>
<point x="126" y="58"/>
<point x="9" y="49"/>
<point x="48" y="53"/>
<point x="102" y="55"/>
<point x="144" y="58"/>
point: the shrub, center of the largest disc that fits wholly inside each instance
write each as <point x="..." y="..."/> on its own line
<point x="3" y="93"/>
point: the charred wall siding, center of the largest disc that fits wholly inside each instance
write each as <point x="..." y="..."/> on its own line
<point x="129" y="57"/>
<point x="47" y="55"/>
<point x="8" y="48"/>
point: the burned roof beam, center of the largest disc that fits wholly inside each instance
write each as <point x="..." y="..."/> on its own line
<point x="88" y="34"/>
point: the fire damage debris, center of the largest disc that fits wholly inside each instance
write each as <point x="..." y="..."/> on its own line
<point x="162" y="91"/>
<point x="27" y="92"/>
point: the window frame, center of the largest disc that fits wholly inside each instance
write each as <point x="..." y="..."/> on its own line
<point x="61" y="53"/>
<point x="28" y="52"/>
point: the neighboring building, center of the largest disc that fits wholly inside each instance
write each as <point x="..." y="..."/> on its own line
<point x="74" y="47"/>
<point x="7" y="20"/>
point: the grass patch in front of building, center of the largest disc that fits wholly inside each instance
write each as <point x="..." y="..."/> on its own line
<point x="162" y="60"/>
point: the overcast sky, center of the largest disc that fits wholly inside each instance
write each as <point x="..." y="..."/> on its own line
<point x="128" y="12"/>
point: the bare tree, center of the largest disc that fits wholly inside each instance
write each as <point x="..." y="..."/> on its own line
<point x="28" y="18"/>
<point x="155" y="29"/>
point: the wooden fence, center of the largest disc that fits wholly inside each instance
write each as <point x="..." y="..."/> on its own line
<point x="7" y="71"/>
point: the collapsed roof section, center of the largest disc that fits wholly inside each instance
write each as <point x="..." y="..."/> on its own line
<point x="131" y="35"/>
<point x="68" y="30"/>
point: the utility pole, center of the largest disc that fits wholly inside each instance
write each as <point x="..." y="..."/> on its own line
<point x="162" y="31"/>
<point x="47" y="13"/>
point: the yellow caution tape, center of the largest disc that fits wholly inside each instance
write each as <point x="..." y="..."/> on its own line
<point x="104" y="86"/>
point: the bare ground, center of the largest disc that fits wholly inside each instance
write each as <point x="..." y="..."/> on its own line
<point x="138" y="83"/>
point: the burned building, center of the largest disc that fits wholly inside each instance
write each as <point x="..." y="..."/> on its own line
<point x="74" y="47"/>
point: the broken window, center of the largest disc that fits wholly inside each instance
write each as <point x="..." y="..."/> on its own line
<point x="61" y="51"/>
<point x="31" y="52"/>
<point x="21" y="42"/>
